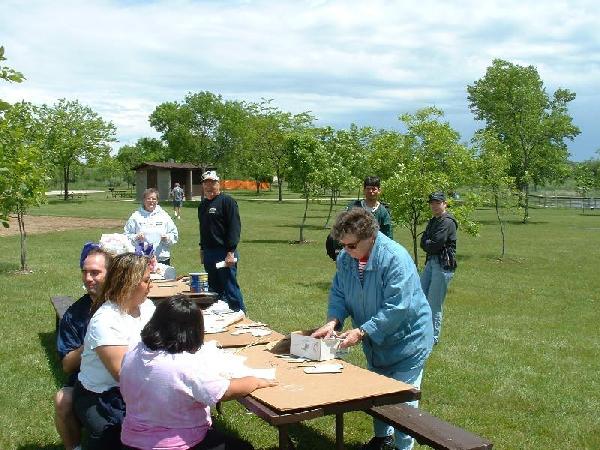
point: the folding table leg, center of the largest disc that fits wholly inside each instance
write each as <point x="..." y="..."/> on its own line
<point x="339" y="431"/>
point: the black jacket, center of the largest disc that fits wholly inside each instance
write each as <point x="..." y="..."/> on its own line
<point x="220" y="225"/>
<point x="440" y="232"/>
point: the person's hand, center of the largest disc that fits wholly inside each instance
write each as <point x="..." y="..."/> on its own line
<point x="351" y="338"/>
<point x="229" y="259"/>
<point x="263" y="383"/>
<point x="139" y="236"/>
<point x="326" y="330"/>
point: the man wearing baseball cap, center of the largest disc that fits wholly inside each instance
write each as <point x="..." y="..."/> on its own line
<point x="220" y="229"/>
<point x="439" y="242"/>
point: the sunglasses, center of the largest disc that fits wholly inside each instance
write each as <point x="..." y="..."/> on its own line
<point x="352" y="245"/>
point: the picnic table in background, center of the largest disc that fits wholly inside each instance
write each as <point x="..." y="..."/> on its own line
<point x="119" y="193"/>
<point x="73" y="195"/>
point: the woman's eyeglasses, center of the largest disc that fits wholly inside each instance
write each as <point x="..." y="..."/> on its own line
<point x="352" y="245"/>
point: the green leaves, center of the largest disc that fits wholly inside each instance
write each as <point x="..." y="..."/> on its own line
<point x="513" y="102"/>
<point x="74" y="134"/>
<point x="428" y="158"/>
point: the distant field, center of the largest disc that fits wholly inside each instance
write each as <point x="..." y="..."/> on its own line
<point x="518" y="360"/>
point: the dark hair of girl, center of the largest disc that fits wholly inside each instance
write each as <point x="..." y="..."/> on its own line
<point x="176" y="326"/>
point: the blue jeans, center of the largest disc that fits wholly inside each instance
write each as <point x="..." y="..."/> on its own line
<point x="223" y="281"/>
<point x="402" y="441"/>
<point x="435" y="281"/>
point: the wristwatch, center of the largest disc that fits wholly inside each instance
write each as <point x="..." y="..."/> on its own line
<point x="362" y="332"/>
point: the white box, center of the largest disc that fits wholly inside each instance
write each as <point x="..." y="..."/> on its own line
<point x="309" y="347"/>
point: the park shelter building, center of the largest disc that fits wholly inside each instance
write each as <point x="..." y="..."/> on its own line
<point x="164" y="175"/>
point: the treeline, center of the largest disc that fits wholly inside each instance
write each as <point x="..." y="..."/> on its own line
<point x="522" y="143"/>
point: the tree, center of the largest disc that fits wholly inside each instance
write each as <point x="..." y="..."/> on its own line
<point x="265" y="145"/>
<point x="144" y="150"/>
<point x="307" y="157"/>
<point x="428" y="158"/>
<point x="344" y="155"/>
<point x="23" y="180"/>
<point x="492" y="168"/>
<point x="74" y="134"/>
<point x="203" y="129"/>
<point x="584" y="181"/>
<point x="513" y="102"/>
<point x="12" y="76"/>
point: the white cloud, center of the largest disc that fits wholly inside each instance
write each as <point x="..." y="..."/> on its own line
<point x="343" y="60"/>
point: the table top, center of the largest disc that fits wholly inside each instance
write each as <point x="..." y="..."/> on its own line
<point x="226" y="340"/>
<point x="354" y="388"/>
<point x="167" y="288"/>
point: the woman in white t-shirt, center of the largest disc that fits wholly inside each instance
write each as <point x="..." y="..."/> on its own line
<point x="169" y="385"/>
<point x="119" y="314"/>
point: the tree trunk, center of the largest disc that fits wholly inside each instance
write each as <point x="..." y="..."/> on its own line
<point x="413" y="232"/>
<point x="66" y="182"/>
<point x="279" y="188"/>
<point x="331" y="197"/>
<point x="21" y="222"/>
<point x="303" y="219"/>
<point x="526" y="203"/>
<point x="497" y="204"/>
<point x="257" y="187"/>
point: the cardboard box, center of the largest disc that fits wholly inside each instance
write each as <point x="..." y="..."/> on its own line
<point x="315" y="349"/>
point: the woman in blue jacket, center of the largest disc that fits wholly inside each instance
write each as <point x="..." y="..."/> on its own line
<point x="378" y="287"/>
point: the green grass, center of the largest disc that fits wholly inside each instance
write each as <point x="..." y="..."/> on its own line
<point x="517" y="362"/>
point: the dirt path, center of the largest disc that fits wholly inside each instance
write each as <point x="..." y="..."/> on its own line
<point x="47" y="224"/>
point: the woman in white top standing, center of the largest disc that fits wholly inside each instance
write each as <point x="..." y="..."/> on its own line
<point x="151" y="224"/>
<point x="119" y="314"/>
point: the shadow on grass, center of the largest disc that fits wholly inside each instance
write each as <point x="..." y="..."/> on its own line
<point x="38" y="447"/>
<point x="306" y="227"/>
<point x="320" y="285"/>
<point x="48" y="341"/>
<point x="512" y="222"/>
<point x="266" y="241"/>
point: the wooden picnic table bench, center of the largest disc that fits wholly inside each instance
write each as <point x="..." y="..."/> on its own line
<point x="427" y="429"/>
<point x="73" y="195"/>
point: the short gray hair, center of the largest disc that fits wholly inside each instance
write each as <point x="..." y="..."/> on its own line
<point x="356" y="221"/>
<point x="150" y="191"/>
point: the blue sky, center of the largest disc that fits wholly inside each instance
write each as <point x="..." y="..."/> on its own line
<point x="346" y="61"/>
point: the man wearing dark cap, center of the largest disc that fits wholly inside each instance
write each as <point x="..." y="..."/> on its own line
<point x="439" y="242"/>
<point x="220" y="229"/>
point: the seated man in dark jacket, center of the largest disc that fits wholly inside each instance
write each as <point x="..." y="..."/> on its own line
<point x="93" y="262"/>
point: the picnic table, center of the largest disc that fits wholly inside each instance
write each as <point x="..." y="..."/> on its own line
<point x="119" y="193"/>
<point x="73" y="195"/>
<point x="300" y="396"/>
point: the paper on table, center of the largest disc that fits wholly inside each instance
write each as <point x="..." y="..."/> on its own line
<point x="324" y="368"/>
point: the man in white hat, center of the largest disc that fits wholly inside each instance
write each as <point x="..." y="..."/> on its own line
<point x="220" y="229"/>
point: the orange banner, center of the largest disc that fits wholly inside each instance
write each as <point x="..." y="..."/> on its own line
<point x="242" y="185"/>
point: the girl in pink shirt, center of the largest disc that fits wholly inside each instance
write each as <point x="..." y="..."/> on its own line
<point x="168" y="386"/>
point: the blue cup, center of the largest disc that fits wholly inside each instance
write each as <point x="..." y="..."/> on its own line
<point x="194" y="282"/>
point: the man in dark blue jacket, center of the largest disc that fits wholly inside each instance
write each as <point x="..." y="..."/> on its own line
<point x="439" y="242"/>
<point x="220" y="229"/>
<point x="69" y="342"/>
